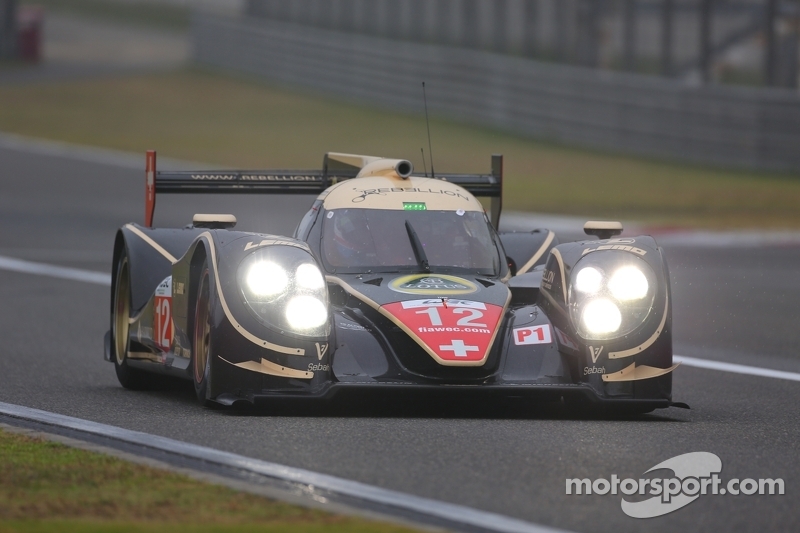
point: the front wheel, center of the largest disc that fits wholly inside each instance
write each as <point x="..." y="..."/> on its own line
<point x="130" y="378"/>
<point x="201" y="339"/>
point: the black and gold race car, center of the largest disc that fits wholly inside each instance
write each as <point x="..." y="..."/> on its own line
<point x="393" y="283"/>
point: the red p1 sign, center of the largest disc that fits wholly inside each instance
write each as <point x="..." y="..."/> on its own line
<point x="533" y="335"/>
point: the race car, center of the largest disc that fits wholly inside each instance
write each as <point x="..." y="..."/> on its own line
<point x="394" y="282"/>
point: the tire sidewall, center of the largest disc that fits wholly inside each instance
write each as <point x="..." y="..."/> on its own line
<point x="202" y="387"/>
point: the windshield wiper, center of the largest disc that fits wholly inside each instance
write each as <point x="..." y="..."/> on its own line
<point x="416" y="245"/>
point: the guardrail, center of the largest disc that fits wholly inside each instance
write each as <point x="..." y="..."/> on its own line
<point x="730" y="126"/>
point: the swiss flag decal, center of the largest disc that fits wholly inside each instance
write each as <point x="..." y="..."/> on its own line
<point x="455" y="330"/>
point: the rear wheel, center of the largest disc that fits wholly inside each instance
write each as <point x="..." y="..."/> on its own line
<point x="130" y="378"/>
<point x="201" y="339"/>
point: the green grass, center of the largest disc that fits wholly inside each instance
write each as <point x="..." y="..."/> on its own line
<point x="152" y="14"/>
<point x="45" y="486"/>
<point x="235" y="122"/>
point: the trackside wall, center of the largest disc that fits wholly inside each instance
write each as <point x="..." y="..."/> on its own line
<point x="722" y="125"/>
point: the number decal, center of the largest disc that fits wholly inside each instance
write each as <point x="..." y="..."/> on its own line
<point x="474" y="314"/>
<point x="162" y="319"/>
<point x="533" y="335"/>
<point x="453" y="331"/>
<point x="163" y="322"/>
<point x="433" y="314"/>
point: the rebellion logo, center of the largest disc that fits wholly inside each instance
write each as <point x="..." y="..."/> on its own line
<point x="427" y="284"/>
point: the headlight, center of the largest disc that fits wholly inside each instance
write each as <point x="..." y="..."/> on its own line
<point x="628" y="283"/>
<point x="611" y="294"/>
<point x="306" y="312"/>
<point x="266" y="280"/>
<point x="601" y="316"/>
<point x="285" y="290"/>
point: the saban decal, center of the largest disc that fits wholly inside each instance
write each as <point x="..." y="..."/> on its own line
<point x="454" y="330"/>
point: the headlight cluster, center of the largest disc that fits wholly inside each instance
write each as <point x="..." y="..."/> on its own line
<point x="611" y="294"/>
<point x="285" y="289"/>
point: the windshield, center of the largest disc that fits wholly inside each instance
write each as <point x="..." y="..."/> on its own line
<point x="360" y="240"/>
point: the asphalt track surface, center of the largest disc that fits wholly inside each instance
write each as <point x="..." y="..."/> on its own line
<point x="737" y="305"/>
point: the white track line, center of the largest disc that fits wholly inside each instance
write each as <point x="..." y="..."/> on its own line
<point x="43" y="269"/>
<point x="312" y="481"/>
<point x="736" y="369"/>
<point x="89" y="276"/>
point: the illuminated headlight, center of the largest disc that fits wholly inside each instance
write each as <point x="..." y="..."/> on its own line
<point x="601" y="316"/>
<point x="266" y="280"/>
<point x="628" y="283"/>
<point x="308" y="276"/>
<point x="306" y="312"/>
<point x="589" y="280"/>
<point x="611" y="294"/>
<point x="284" y="289"/>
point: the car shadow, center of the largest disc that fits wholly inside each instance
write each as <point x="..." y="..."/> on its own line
<point x="401" y="406"/>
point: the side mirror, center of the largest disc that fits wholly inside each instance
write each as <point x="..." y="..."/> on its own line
<point x="602" y="229"/>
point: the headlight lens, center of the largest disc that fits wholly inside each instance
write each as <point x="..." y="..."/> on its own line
<point x="266" y="280"/>
<point x="601" y="316"/>
<point x="283" y="287"/>
<point x="306" y="312"/>
<point x="628" y="283"/>
<point x="589" y="280"/>
<point x="611" y="294"/>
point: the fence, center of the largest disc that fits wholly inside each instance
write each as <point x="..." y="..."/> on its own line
<point x="731" y="126"/>
<point x="733" y="41"/>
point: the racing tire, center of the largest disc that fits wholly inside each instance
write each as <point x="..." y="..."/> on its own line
<point x="129" y="378"/>
<point x="201" y="339"/>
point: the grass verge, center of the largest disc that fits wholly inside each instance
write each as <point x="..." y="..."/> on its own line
<point x="205" y="117"/>
<point x="46" y="486"/>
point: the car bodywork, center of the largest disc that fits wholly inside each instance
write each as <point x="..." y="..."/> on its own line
<point x="511" y="326"/>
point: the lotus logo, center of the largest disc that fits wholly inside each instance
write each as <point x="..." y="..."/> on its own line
<point x="427" y="284"/>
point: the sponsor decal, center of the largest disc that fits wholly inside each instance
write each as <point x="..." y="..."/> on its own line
<point x="595" y="353"/>
<point x="455" y="330"/>
<point x="436" y="284"/>
<point x="270" y="177"/>
<point x="271" y="242"/>
<point x="352" y="326"/>
<point x="565" y="340"/>
<point x="312" y="367"/>
<point x="322" y="348"/>
<point x="623" y="247"/>
<point x="619" y="240"/>
<point x="178" y="288"/>
<point x="256" y="177"/>
<point x="383" y="191"/>
<point x="593" y="370"/>
<point x="547" y="279"/>
<point x="214" y="177"/>
<point x="694" y="474"/>
<point x="162" y="315"/>
<point x="533" y="335"/>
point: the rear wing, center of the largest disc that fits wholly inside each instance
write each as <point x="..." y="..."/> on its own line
<point x="294" y="182"/>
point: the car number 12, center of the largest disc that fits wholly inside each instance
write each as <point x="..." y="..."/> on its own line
<point x="467" y="321"/>
<point x="163" y="322"/>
